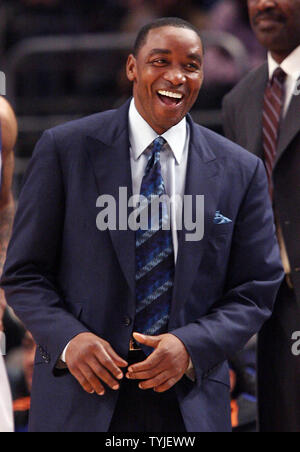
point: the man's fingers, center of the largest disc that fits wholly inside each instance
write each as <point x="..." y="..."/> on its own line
<point x="106" y="361"/>
<point x="150" y="363"/>
<point x="150" y="341"/>
<point x="116" y="358"/>
<point x="147" y="374"/>
<point x="83" y="381"/>
<point x="103" y="374"/>
<point x="167" y="385"/>
<point x="92" y="379"/>
<point x="157" y="381"/>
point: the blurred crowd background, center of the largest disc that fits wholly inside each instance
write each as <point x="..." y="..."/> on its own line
<point x="64" y="59"/>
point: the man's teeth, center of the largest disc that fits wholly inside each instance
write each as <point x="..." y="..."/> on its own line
<point x="169" y="94"/>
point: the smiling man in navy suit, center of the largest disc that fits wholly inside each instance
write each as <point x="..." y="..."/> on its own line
<point x="84" y="292"/>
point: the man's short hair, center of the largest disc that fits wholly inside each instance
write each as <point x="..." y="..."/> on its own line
<point x="158" y="23"/>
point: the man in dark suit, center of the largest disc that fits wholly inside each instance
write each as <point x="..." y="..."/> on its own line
<point x="262" y="115"/>
<point x="84" y="290"/>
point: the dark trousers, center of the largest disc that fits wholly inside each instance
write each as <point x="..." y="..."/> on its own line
<point x="278" y="369"/>
<point x="146" y="411"/>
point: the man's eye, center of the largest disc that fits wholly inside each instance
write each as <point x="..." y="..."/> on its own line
<point x="192" y="67"/>
<point x="159" y="61"/>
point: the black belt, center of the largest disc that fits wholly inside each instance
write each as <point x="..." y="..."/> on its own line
<point x="136" y="356"/>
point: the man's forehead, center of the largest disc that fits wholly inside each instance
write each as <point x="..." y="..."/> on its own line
<point x="164" y="39"/>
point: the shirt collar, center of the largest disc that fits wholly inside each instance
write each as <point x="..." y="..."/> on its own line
<point x="141" y="135"/>
<point x="291" y="65"/>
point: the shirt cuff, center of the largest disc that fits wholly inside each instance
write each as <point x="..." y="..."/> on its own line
<point x="63" y="356"/>
<point x="61" y="363"/>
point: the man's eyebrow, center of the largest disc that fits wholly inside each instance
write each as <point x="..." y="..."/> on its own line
<point x="192" y="56"/>
<point x="195" y="56"/>
<point x="164" y="51"/>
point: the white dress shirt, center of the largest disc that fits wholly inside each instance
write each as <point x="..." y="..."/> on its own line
<point x="291" y="66"/>
<point x="173" y="161"/>
<point x="6" y="411"/>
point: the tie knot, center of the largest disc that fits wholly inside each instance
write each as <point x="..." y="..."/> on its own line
<point x="155" y="149"/>
<point x="279" y="75"/>
<point x="158" y="144"/>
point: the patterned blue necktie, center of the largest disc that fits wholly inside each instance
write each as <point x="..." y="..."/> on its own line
<point x="155" y="265"/>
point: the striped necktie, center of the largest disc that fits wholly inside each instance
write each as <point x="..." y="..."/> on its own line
<point x="272" y="114"/>
<point x="155" y="265"/>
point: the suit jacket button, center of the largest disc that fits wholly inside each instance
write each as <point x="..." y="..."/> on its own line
<point x="127" y="321"/>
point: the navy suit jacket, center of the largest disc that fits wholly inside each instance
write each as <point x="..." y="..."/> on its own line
<point x="64" y="277"/>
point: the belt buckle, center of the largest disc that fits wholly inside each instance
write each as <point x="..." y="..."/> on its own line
<point x="133" y="347"/>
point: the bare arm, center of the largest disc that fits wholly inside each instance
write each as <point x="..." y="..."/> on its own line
<point x="9" y="135"/>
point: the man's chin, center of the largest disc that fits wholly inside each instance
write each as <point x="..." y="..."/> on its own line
<point x="163" y="127"/>
<point x="269" y="32"/>
<point x="166" y="122"/>
<point x="270" y="39"/>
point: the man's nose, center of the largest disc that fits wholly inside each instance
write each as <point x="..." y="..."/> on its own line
<point x="175" y="76"/>
<point x="264" y="4"/>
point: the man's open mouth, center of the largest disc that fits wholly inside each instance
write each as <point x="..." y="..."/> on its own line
<point x="170" y="98"/>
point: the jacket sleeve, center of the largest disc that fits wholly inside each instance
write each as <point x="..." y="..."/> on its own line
<point x="29" y="278"/>
<point x="254" y="277"/>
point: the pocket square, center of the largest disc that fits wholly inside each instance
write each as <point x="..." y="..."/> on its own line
<point x="220" y="219"/>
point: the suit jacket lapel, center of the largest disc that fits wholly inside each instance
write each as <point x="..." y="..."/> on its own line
<point x="254" y="101"/>
<point x="290" y="127"/>
<point x="203" y="178"/>
<point x="108" y="151"/>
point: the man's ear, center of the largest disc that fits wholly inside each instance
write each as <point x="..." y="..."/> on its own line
<point x="131" y="68"/>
